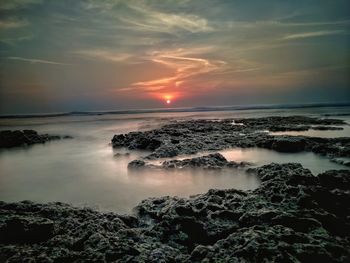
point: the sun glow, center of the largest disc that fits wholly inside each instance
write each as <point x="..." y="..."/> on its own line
<point x="167" y="98"/>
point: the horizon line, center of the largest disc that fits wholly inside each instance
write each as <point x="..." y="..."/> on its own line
<point x="178" y="109"/>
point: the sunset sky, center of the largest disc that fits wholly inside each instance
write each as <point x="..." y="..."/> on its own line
<point x="116" y="54"/>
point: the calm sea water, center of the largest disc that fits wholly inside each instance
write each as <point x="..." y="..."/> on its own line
<point x="83" y="171"/>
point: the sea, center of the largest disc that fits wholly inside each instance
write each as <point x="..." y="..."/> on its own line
<point x="84" y="171"/>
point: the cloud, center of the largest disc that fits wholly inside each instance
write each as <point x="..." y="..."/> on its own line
<point x="14" y="40"/>
<point x="314" y="34"/>
<point x="151" y="47"/>
<point x="138" y="16"/>
<point x="279" y="23"/>
<point x="17" y="4"/>
<point x="38" y="61"/>
<point x="10" y="24"/>
<point x="100" y="54"/>
<point x="186" y="65"/>
<point x="190" y="23"/>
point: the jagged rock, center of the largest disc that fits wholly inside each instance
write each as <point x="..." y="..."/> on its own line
<point x="193" y="136"/>
<point x="293" y="216"/>
<point x="211" y="161"/>
<point x="9" y="139"/>
<point x="136" y="140"/>
<point x="136" y="164"/>
<point x="332" y="179"/>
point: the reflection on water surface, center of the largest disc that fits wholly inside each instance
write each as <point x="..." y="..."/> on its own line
<point x="84" y="171"/>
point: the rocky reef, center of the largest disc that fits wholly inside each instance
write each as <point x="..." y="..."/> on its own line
<point x="16" y="138"/>
<point x="190" y="137"/>
<point x="212" y="161"/>
<point x="293" y="216"/>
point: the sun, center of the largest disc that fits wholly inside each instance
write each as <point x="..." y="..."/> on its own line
<point x="167" y="99"/>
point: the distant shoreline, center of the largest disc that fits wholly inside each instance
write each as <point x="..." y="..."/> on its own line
<point x="192" y="109"/>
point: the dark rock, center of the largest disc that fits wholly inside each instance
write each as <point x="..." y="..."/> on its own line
<point x="327" y="128"/>
<point x="136" y="140"/>
<point x="289" y="128"/>
<point x="288" y="144"/>
<point x="292" y="217"/>
<point x="136" y="164"/>
<point x="199" y="253"/>
<point x="26" y="230"/>
<point x="335" y="179"/>
<point x="117" y="155"/>
<point x="345" y="162"/>
<point x="193" y="136"/>
<point x="211" y="161"/>
<point x="118" y="140"/>
<point x="16" y="138"/>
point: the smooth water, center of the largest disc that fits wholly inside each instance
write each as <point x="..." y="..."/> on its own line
<point x="258" y="156"/>
<point x="84" y="170"/>
<point x="345" y="132"/>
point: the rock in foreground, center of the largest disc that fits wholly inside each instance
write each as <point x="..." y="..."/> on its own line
<point x="292" y="217"/>
<point x="9" y="139"/>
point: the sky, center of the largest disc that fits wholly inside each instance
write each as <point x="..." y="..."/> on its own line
<point x="86" y="55"/>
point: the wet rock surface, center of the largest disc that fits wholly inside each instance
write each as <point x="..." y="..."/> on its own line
<point x="293" y="216"/>
<point x="17" y="138"/>
<point x="190" y="137"/>
<point x="211" y="161"/>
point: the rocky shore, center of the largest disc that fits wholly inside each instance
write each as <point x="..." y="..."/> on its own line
<point x="293" y="216"/>
<point x="190" y="137"/>
<point x="17" y="138"/>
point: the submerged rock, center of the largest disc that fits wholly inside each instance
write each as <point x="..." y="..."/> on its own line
<point x="118" y="155"/>
<point x="293" y="216"/>
<point x="9" y="139"/>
